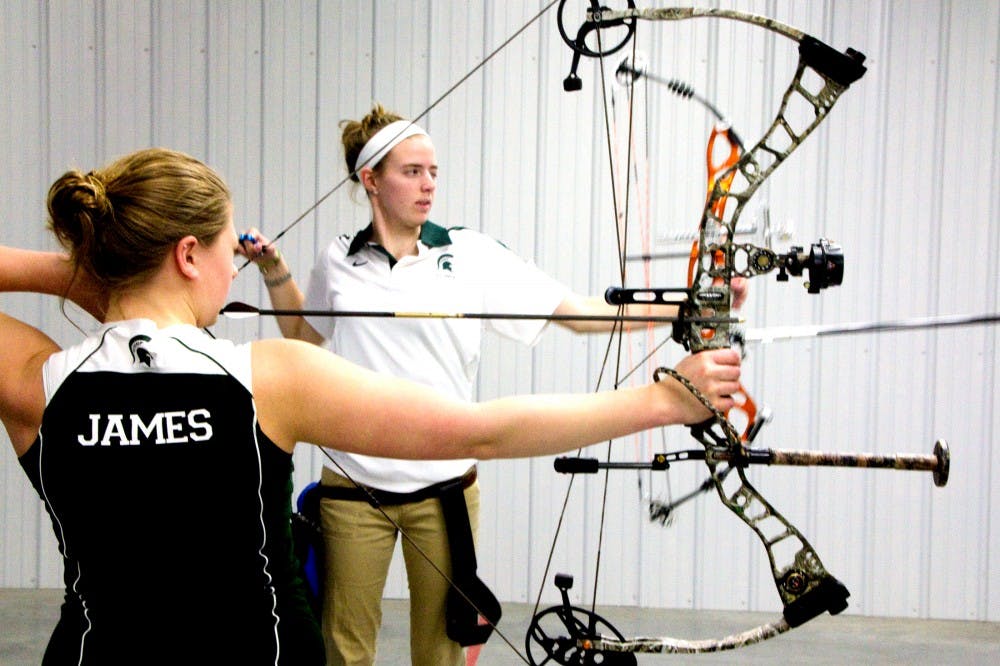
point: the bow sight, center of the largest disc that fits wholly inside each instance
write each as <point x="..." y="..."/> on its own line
<point x="825" y="263"/>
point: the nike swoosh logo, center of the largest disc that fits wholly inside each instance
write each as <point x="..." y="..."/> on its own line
<point x="360" y="262"/>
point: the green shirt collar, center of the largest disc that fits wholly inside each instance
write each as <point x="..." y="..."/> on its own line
<point x="431" y="235"/>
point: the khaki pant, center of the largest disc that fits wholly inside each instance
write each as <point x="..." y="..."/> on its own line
<point x="359" y="543"/>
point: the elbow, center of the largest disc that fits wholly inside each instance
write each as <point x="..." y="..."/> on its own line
<point x="474" y="434"/>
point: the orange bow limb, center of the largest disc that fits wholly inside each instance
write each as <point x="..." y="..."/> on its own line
<point x="721" y="173"/>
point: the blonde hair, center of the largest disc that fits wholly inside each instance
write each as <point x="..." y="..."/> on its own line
<point x="356" y="134"/>
<point x="119" y="222"/>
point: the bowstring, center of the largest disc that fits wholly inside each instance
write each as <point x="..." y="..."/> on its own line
<point x="621" y="218"/>
<point x="640" y="173"/>
<point x="617" y="332"/>
<point x="617" y="329"/>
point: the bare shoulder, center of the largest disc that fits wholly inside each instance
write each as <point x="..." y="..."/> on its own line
<point x="292" y="381"/>
<point x="282" y="360"/>
<point x="22" y="395"/>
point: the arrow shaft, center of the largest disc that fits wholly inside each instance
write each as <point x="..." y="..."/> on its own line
<point x="460" y="315"/>
<point x="243" y="310"/>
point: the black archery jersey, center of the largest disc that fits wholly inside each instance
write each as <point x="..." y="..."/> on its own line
<point x="170" y="505"/>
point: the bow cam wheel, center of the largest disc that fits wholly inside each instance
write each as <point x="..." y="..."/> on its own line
<point x="545" y="645"/>
<point x="614" y="34"/>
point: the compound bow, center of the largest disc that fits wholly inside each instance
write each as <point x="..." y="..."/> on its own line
<point x="803" y="584"/>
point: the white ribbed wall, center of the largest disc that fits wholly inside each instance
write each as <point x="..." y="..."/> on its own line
<point x="903" y="174"/>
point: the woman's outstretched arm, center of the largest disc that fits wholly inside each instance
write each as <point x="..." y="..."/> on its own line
<point x="304" y="393"/>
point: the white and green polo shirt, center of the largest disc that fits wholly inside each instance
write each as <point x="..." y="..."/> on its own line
<point x="454" y="270"/>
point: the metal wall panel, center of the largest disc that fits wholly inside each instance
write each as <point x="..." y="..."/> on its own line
<point x="902" y="175"/>
<point x="22" y="49"/>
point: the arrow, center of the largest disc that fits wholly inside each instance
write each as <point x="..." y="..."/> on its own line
<point x="237" y="310"/>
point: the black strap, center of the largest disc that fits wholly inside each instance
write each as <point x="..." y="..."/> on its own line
<point x="462" y="614"/>
<point x="377" y="497"/>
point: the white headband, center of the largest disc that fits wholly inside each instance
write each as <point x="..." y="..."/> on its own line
<point x="385" y="140"/>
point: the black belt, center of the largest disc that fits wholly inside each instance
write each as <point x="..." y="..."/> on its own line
<point x="377" y="497"/>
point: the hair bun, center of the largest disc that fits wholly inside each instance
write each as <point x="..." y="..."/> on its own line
<point x="78" y="204"/>
<point x="93" y="194"/>
<point x="77" y="193"/>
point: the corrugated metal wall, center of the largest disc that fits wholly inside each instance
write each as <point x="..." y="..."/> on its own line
<point x="903" y="175"/>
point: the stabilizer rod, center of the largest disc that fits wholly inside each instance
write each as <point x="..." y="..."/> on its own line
<point x="938" y="462"/>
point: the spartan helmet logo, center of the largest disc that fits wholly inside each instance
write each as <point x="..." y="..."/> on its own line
<point x="139" y="353"/>
<point x="444" y="262"/>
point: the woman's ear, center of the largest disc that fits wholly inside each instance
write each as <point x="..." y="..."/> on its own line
<point x="184" y="256"/>
<point x="367" y="178"/>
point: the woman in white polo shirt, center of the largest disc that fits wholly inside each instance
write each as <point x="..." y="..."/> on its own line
<point x="403" y="262"/>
